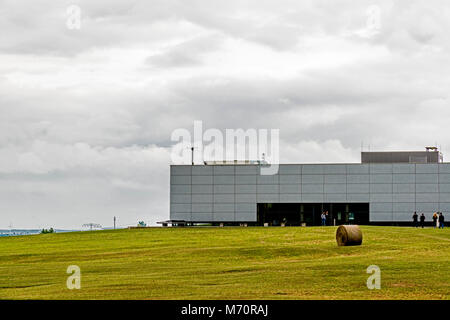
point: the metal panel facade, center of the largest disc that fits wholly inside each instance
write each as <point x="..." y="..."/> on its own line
<point x="230" y="193"/>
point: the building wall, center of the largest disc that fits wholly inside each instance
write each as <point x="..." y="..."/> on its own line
<point x="229" y="193"/>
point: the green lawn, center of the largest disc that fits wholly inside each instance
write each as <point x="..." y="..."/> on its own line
<point x="227" y="263"/>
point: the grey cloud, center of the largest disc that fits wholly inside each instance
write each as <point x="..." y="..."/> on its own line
<point x="41" y="28"/>
<point x="186" y="54"/>
<point x="90" y="147"/>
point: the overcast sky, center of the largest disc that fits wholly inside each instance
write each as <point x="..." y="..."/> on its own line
<point x="87" y="114"/>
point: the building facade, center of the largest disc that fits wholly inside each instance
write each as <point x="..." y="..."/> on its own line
<point x="363" y="193"/>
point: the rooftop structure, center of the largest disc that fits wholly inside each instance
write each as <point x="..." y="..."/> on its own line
<point x="431" y="155"/>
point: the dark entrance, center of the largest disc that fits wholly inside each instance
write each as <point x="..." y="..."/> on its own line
<point x="295" y="214"/>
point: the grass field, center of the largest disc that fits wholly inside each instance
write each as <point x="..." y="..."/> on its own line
<point x="227" y="263"/>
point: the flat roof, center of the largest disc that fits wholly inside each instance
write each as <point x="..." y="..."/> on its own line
<point x="305" y="163"/>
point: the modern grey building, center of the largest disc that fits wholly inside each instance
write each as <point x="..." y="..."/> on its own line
<point x="382" y="189"/>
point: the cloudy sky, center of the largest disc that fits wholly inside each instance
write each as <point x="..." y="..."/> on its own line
<point x="87" y="113"/>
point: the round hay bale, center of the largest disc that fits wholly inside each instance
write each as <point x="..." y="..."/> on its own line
<point x="349" y="235"/>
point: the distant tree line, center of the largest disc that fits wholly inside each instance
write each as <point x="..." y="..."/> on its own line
<point x="44" y="231"/>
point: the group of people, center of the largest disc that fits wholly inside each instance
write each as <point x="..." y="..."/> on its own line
<point x="438" y="220"/>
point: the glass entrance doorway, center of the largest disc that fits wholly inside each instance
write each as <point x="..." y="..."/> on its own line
<point x="296" y="214"/>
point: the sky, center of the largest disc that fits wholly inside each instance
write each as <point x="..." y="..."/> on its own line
<point x="91" y="91"/>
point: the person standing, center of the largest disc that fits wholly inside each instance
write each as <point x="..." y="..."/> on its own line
<point x="435" y="220"/>
<point x="422" y="220"/>
<point x="415" y="216"/>
<point x="441" y="220"/>
<point x="324" y="219"/>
